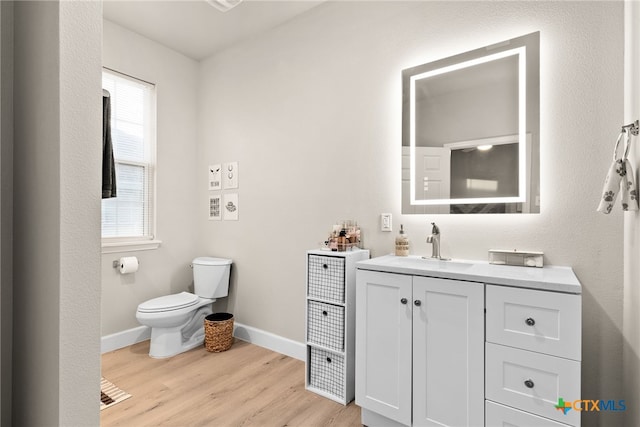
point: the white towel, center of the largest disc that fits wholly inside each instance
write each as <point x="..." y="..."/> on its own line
<point x="620" y="179"/>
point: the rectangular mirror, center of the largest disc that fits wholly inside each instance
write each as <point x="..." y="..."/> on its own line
<point x="470" y="131"/>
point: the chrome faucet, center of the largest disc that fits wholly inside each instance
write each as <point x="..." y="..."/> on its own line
<point x="434" y="239"/>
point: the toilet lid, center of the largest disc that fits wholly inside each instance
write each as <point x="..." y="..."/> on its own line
<point x="207" y="260"/>
<point x="168" y="302"/>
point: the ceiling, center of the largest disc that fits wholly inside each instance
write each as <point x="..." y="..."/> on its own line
<point x="195" y="28"/>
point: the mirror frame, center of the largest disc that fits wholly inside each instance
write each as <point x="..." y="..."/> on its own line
<point x="527" y="50"/>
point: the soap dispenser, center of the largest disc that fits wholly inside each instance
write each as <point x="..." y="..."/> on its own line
<point x="402" y="243"/>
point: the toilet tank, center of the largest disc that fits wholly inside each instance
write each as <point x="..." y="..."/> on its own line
<point x="211" y="277"/>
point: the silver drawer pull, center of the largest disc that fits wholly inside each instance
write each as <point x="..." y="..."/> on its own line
<point x="529" y="384"/>
<point x="403" y="300"/>
<point x="530" y="321"/>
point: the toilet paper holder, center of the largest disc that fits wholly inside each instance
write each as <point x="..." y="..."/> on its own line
<point x="116" y="263"/>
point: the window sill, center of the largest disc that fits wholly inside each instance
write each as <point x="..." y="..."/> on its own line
<point x="131" y="246"/>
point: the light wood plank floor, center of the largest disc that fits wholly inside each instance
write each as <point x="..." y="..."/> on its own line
<point x="244" y="386"/>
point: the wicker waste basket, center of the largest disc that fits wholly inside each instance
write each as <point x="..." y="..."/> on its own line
<point x="218" y="332"/>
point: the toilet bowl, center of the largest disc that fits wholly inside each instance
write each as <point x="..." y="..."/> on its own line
<point x="177" y="320"/>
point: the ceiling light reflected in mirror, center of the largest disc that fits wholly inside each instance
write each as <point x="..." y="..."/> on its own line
<point x="224" y="5"/>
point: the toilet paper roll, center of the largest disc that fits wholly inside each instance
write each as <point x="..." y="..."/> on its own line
<point x="128" y="264"/>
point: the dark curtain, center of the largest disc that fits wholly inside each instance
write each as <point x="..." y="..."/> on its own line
<point x="108" y="164"/>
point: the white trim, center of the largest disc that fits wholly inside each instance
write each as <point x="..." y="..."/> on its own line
<point x="124" y="339"/>
<point x="130" y="246"/>
<point x="274" y="342"/>
<point x="149" y="165"/>
<point x="246" y="333"/>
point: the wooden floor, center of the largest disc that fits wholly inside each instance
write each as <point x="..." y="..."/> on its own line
<point x="244" y="386"/>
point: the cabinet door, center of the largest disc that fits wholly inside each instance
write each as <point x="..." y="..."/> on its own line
<point x="448" y="352"/>
<point x="383" y="344"/>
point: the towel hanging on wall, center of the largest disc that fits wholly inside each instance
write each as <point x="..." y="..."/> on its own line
<point x="620" y="179"/>
<point x="108" y="164"/>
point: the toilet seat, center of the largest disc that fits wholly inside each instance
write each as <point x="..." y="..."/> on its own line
<point x="168" y="303"/>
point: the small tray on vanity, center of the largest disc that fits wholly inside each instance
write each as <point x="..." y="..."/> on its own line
<point x="515" y="257"/>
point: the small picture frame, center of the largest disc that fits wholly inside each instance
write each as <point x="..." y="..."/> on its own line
<point x="230" y="175"/>
<point x="215" y="208"/>
<point x="215" y="177"/>
<point x="230" y="207"/>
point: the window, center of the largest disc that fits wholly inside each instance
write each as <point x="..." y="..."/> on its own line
<point x="128" y="220"/>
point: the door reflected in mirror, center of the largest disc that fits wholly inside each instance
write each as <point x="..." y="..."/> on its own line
<point x="471" y="131"/>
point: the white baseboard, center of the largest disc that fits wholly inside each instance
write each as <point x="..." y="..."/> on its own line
<point x="250" y="334"/>
<point x="124" y="339"/>
<point x="271" y="341"/>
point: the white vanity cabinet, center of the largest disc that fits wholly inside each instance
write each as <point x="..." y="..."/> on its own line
<point x="419" y="350"/>
<point x="466" y="343"/>
<point x="532" y="353"/>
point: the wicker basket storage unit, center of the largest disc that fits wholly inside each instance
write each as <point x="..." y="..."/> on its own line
<point x="218" y="332"/>
<point x="330" y="322"/>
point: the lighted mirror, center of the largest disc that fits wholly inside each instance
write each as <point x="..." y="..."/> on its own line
<point x="471" y="131"/>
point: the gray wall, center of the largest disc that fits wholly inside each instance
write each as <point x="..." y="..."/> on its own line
<point x="312" y="111"/>
<point x="467" y="114"/>
<point x="631" y="367"/>
<point x="6" y="208"/>
<point x="164" y="270"/>
<point x="56" y="364"/>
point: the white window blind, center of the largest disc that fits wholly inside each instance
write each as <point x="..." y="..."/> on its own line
<point x="130" y="216"/>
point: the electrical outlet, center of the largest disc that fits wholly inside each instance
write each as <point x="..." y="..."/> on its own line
<point x="385" y="222"/>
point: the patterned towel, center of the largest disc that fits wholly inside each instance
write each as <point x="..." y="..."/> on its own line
<point x="620" y="179"/>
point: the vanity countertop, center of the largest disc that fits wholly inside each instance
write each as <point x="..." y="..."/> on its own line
<point x="551" y="278"/>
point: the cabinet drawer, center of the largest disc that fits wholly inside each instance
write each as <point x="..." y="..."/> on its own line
<point x="503" y="416"/>
<point x="532" y="381"/>
<point x="325" y="325"/>
<point x="326" y="278"/>
<point x="326" y="372"/>
<point x="541" y="321"/>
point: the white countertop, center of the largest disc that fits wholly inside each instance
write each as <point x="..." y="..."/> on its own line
<point x="551" y="278"/>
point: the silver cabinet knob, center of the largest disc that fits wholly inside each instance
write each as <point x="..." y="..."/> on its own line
<point x="530" y="321"/>
<point x="417" y="303"/>
<point x="529" y="383"/>
<point x="403" y="300"/>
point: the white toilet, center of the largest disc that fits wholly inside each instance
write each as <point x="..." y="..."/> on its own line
<point x="177" y="321"/>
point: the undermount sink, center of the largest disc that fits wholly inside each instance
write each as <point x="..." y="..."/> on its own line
<point x="431" y="263"/>
<point x="447" y="263"/>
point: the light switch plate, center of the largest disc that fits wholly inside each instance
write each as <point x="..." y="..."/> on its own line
<point x="385" y="222"/>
